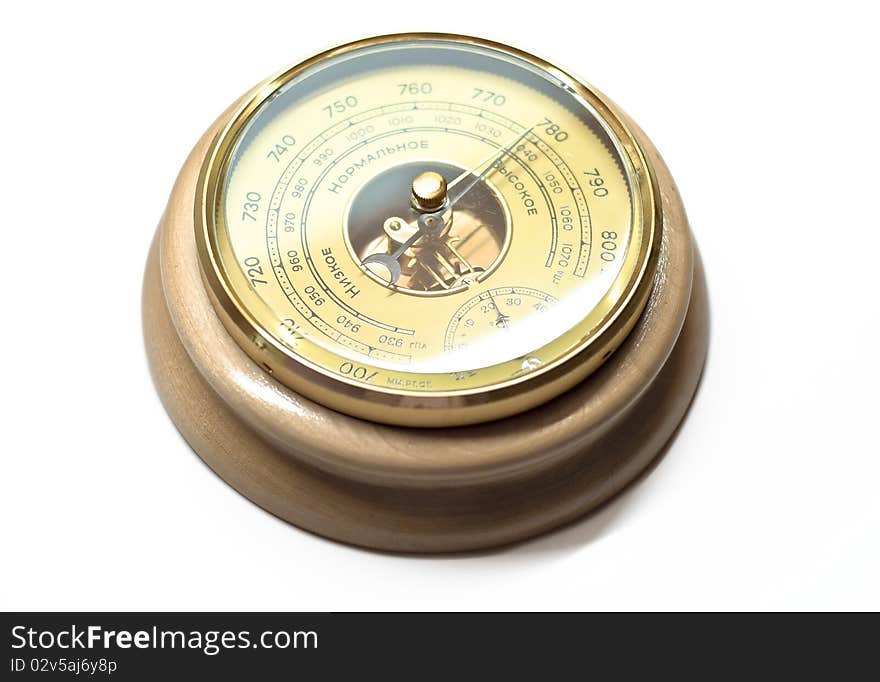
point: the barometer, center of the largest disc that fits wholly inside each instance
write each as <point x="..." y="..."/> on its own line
<point x="425" y="292"/>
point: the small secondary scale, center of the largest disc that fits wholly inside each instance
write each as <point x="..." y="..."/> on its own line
<point x="425" y="292"/>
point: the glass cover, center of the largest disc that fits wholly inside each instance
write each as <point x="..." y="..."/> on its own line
<point x="427" y="215"/>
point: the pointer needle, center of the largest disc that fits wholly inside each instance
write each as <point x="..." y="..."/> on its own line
<point x="501" y="320"/>
<point x="491" y="159"/>
<point x="390" y="260"/>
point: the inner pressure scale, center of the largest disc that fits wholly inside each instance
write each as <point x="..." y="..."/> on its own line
<point x="425" y="292"/>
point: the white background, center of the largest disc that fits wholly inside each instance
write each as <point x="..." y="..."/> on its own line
<point x="767" y="115"/>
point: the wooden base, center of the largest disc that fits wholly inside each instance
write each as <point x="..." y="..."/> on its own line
<point x="422" y="490"/>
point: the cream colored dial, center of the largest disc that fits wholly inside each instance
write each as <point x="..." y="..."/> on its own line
<point x="352" y="289"/>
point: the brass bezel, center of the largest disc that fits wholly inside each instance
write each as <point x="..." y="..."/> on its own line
<point x="430" y="408"/>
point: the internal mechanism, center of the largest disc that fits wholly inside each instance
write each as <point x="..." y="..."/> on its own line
<point x="434" y="249"/>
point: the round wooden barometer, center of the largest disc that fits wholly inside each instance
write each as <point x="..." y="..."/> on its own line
<point x="425" y="293"/>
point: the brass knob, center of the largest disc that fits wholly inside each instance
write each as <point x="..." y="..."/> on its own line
<point x="428" y="191"/>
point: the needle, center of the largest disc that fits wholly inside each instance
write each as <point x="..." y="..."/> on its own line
<point x="389" y="261"/>
<point x="502" y="319"/>
<point x="493" y="156"/>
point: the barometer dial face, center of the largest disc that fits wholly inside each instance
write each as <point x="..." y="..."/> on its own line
<point x="427" y="230"/>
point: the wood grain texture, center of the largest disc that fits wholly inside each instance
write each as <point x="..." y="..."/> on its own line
<point x="422" y="490"/>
